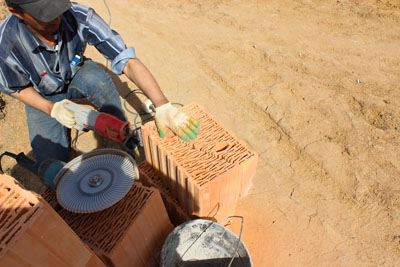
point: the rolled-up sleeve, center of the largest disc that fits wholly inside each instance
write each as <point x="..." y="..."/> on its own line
<point x="118" y="63"/>
<point x="107" y="41"/>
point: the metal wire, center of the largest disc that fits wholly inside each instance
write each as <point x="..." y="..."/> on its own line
<point x="195" y="241"/>
<point x="240" y="237"/>
<point x="237" y="244"/>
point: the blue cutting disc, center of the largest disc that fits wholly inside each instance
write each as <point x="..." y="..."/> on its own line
<point x="96" y="180"/>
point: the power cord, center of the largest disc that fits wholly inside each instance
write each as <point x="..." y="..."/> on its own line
<point x="109" y="24"/>
<point x="146" y="112"/>
<point x="109" y="13"/>
<point x="137" y="114"/>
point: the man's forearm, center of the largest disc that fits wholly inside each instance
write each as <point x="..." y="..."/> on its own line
<point x="142" y="77"/>
<point x="32" y="98"/>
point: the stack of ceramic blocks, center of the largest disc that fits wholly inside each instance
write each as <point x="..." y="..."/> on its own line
<point x="32" y="233"/>
<point x="207" y="175"/>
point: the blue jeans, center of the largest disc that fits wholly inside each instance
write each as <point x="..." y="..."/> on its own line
<point x="49" y="139"/>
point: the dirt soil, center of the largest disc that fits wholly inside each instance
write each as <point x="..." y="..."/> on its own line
<point x="311" y="85"/>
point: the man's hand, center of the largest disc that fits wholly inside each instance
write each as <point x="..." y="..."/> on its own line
<point x="168" y="116"/>
<point x="63" y="115"/>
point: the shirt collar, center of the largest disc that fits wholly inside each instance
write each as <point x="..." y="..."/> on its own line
<point x="34" y="42"/>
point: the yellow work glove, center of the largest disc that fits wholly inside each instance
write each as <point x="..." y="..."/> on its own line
<point x="63" y="115"/>
<point x="168" y="116"/>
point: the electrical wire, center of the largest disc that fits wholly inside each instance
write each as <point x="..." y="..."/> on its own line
<point x="109" y="24"/>
<point x="75" y="139"/>
<point x="137" y="114"/>
<point x="109" y="13"/>
<point x="126" y="99"/>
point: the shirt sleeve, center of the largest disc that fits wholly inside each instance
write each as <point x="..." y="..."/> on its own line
<point x="107" y="41"/>
<point x="11" y="78"/>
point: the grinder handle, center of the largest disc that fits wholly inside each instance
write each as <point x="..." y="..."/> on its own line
<point x="85" y="118"/>
<point x="23" y="160"/>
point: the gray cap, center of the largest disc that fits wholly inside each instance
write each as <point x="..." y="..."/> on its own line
<point x="43" y="10"/>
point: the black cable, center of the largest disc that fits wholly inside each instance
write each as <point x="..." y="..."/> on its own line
<point x="75" y="140"/>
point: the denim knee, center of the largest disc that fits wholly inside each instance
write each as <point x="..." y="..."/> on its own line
<point x="93" y="82"/>
<point x="49" y="139"/>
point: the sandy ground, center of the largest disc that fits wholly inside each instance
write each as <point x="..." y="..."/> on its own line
<point x="312" y="86"/>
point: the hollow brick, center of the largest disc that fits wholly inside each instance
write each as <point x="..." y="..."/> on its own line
<point x="129" y="233"/>
<point x="33" y="234"/>
<point x="211" y="172"/>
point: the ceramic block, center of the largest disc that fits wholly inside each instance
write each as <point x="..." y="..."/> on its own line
<point x="33" y="234"/>
<point x="211" y="172"/>
<point x="129" y="233"/>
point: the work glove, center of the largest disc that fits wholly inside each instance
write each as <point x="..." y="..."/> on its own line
<point x="168" y="116"/>
<point x="63" y="115"/>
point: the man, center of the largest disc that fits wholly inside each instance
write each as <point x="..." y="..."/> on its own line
<point x="42" y="64"/>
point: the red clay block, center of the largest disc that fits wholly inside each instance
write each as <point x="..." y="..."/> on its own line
<point x="129" y="233"/>
<point x="214" y="170"/>
<point x="150" y="177"/>
<point x="19" y="208"/>
<point x="32" y="233"/>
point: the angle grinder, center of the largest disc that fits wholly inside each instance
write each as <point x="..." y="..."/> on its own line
<point x="91" y="182"/>
<point x="104" y="124"/>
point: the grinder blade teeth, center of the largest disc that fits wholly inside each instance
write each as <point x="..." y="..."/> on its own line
<point x="116" y="171"/>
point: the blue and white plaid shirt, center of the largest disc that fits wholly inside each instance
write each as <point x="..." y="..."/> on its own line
<point x="28" y="61"/>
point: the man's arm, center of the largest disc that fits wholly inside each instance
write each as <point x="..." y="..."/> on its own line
<point x="56" y="110"/>
<point x="166" y="115"/>
<point x="32" y="98"/>
<point x="141" y="76"/>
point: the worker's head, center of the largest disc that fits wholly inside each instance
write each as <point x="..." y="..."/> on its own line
<point x="43" y="16"/>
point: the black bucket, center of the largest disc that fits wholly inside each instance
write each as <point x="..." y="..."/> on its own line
<point x="204" y="243"/>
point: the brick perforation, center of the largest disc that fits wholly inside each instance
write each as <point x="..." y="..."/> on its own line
<point x="19" y="209"/>
<point x="103" y="230"/>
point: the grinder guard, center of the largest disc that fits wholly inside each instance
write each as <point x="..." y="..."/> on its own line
<point x="90" y="182"/>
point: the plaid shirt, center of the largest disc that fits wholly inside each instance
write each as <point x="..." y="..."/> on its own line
<point x="28" y="61"/>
